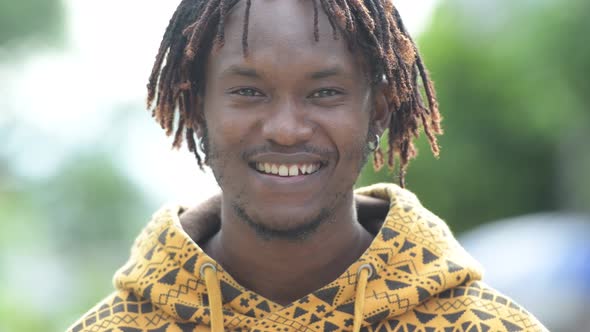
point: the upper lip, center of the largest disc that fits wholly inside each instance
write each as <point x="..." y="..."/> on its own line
<point x="288" y="158"/>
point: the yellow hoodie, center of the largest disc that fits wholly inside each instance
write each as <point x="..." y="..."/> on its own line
<point x="414" y="277"/>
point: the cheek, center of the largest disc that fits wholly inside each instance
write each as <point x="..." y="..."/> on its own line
<point x="348" y="132"/>
<point x="227" y="130"/>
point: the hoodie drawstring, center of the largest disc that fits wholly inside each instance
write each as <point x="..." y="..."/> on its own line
<point x="364" y="273"/>
<point x="209" y="273"/>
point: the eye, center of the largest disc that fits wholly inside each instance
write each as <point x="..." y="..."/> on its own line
<point x="247" y="92"/>
<point x="325" y="93"/>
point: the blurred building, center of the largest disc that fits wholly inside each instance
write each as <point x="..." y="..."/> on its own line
<point x="542" y="261"/>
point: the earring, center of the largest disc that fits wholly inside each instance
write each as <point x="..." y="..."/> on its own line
<point x="202" y="145"/>
<point x="374" y="144"/>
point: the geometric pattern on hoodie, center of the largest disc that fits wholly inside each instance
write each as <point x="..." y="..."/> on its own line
<point x="422" y="280"/>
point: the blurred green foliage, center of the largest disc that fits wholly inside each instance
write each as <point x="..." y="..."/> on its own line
<point x="512" y="86"/>
<point x="40" y="22"/>
<point x="62" y="238"/>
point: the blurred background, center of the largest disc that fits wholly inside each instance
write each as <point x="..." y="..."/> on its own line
<point x="83" y="166"/>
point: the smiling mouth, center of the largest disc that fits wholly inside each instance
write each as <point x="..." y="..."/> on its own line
<point x="287" y="170"/>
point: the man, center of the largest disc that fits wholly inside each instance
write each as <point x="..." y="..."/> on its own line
<point x="288" y="99"/>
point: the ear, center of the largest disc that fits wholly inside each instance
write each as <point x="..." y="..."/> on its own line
<point x="381" y="115"/>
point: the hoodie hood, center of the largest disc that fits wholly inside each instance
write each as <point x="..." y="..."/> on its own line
<point x="412" y="259"/>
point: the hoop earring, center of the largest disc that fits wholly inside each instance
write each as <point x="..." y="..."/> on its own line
<point x="374" y="145"/>
<point x="202" y="145"/>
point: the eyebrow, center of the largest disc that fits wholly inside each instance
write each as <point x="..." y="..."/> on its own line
<point x="333" y="71"/>
<point x="240" y="71"/>
<point x="236" y="70"/>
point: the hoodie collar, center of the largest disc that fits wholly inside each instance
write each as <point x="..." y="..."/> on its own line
<point x="413" y="257"/>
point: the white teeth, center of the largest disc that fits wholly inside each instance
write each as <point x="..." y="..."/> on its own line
<point x="293" y="170"/>
<point x="312" y="168"/>
<point x="287" y="170"/>
<point x="283" y="170"/>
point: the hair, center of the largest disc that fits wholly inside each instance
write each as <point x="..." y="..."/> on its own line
<point x="372" y="26"/>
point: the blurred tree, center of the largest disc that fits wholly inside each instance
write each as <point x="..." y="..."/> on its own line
<point x="91" y="206"/>
<point x="511" y="85"/>
<point x="78" y="223"/>
<point x="37" y="21"/>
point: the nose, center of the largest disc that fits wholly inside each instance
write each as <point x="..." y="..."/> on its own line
<point x="287" y="124"/>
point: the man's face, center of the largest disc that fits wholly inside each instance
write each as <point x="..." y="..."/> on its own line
<point x="295" y="107"/>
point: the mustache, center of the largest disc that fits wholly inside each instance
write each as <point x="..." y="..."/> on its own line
<point x="248" y="153"/>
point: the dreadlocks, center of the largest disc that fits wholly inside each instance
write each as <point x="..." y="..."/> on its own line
<point x="375" y="25"/>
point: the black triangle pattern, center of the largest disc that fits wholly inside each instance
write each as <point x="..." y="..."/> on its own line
<point x="170" y="277"/>
<point x="128" y="270"/>
<point x="511" y="327"/>
<point x="436" y="279"/>
<point x="428" y="257"/>
<point x="407" y="246"/>
<point x="187" y="327"/>
<point x="453" y="267"/>
<point x="147" y="293"/>
<point x="189" y="265"/>
<point x="329" y="327"/>
<point x="382" y="328"/>
<point x="129" y="329"/>
<point x="465" y="325"/>
<point x="424" y="317"/>
<point x="314" y="319"/>
<point x="299" y="312"/>
<point x="149" y="272"/>
<point x="388" y="234"/>
<point x="162" y="237"/>
<point x="328" y="295"/>
<point x="394" y="284"/>
<point x="452" y="318"/>
<point x="423" y="294"/>
<point x="482" y="315"/>
<point x="405" y="268"/>
<point x="347" y="308"/>
<point x="185" y="312"/>
<point x="393" y="323"/>
<point x="150" y="253"/>
<point x="263" y="306"/>
<point x="228" y="292"/>
<point x="378" y="317"/>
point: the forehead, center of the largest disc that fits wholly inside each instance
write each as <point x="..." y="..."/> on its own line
<point x="281" y="38"/>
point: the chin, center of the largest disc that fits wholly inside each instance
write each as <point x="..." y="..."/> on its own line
<point x="282" y="225"/>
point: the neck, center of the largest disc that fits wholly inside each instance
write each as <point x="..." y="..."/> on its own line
<point x="280" y="269"/>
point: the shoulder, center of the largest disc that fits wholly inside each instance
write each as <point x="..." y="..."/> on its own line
<point x="477" y="307"/>
<point x="121" y="310"/>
